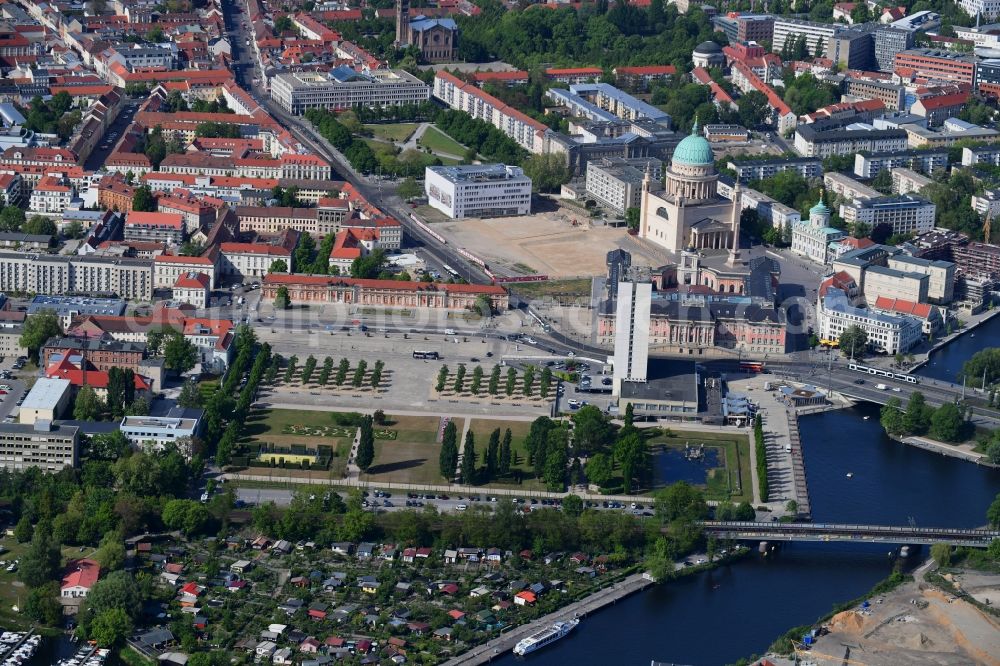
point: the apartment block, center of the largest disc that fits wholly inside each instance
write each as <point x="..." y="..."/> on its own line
<point x="890" y="95"/>
<point x="64" y="274"/>
<point x="812" y="142"/>
<point x="905" y="214"/>
<point x="868" y="165"/>
<point x="529" y="133"/>
<point x="749" y="170"/>
<point x="848" y="188"/>
<point x="905" y="181"/>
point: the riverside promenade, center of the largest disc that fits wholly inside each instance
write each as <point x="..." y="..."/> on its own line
<point x="504" y="643"/>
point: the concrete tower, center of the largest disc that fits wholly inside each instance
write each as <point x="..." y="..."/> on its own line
<point x="402" y="23"/>
<point x="632" y="333"/>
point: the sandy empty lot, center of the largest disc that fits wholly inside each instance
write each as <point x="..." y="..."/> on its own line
<point x="544" y="243"/>
<point x="917" y="624"/>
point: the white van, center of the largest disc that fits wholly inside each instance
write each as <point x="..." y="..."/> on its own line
<point x="449" y="331"/>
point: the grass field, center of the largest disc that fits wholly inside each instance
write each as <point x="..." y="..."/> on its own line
<point x="399" y="132"/>
<point x="268" y="425"/>
<point x="731" y="480"/>
<point x="438" y="141"/>
<point x="413" y="456"/>
<point x="559" y="290"/>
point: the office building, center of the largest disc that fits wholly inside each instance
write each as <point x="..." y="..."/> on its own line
<point x="68" y="308"/>
<point x="904" y="214"/>
<point x="156" y="432"/>
<point x="47" y="400"/>
<point x="888" y="42"/>
<point x="941" y="275"/>
<point x="631" y="333"/>
<point x="100" y="353"/>
<point x="986" y="10"/>
<point x="607" y="98"/>
<point x="345" y="88"/>
<point x="382" y="293"/>
<point x="853" y="48"/>
<point x="790" y="31"/>
<point x="754" y="28"/>
<point x="893" y="283"/>
<point x="886" y="333"/>
<point x="50" y="448"/>
<point x="868" y="165"/>
<point x="937" y="65"/>
<point x="487" y="190"/>
<point x="988" y="76"/>
<point x="616" y="183"/>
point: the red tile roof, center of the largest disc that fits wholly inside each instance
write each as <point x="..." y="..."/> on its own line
<point x="515" y="75"/>
<point x="921" y="310"/>
<point x="575" y="71"/>
<point x="253" y="248"/>
<point x="149" y="219"/>
<point x="647" y="70"/>
<point x="192" y="281"/>
<point x="82" y="573"/>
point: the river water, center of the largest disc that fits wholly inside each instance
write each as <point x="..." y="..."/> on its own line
<point x="720" y="616"/>
<point x="946" y="363"/>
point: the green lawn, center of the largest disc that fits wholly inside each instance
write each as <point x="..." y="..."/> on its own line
<point x="731" y="480"/>
<point x="563" y="291"/>
<point x="271" y="426"/>
<point x="413" y="456"/>
<point x="438" y="141"/>
<point x="399" y="132"/>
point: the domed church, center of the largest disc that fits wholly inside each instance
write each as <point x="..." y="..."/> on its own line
<point x="688" y="213"/>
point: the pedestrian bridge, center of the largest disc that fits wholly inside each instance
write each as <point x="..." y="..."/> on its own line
<point x="753" y="531"/>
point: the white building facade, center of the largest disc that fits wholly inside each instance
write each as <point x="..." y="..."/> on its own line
<point x="488" y="190"/>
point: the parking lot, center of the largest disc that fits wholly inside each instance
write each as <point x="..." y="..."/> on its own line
<point x="12" y="391"/>
<point x="378" y="500"/>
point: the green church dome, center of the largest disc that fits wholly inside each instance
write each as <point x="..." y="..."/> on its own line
<point x="819" y="209"/>
<point x="694" y="149"/>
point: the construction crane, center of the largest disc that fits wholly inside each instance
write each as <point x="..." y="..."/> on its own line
<point x="802" y="651"/>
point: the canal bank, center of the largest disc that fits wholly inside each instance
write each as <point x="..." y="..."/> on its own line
<point x="944" y="360"/>
<point x="720" y="616"/>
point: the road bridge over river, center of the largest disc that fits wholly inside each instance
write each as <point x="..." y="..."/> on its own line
<point x="753" y="531"/>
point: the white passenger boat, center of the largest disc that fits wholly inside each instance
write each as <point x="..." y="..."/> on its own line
<point x="544" y="637"/>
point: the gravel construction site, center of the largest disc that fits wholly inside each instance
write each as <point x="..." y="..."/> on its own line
<point x="916" y="624"/>
<point x="545" y="243"/>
